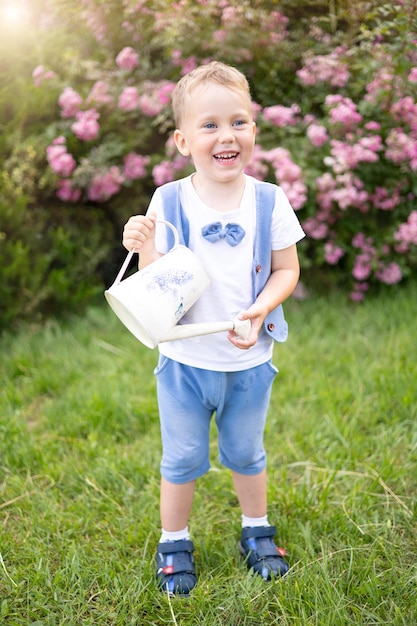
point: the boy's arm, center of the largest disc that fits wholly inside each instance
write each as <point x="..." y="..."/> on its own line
<point x="139" y="233"/>
<point x="285" y="271"/>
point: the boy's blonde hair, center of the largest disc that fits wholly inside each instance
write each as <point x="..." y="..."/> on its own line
<point x="215" y="72"/>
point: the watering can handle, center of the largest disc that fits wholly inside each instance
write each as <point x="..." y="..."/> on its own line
<point x="130" y="254"/>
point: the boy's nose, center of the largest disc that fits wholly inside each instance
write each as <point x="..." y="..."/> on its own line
<point x="226" y="135"/>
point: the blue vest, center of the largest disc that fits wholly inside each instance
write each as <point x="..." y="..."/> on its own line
<point x="275" y="324"/>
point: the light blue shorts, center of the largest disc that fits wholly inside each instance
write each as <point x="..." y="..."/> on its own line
<point x="188" y="397"/>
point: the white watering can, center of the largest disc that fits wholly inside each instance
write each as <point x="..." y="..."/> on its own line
<point x="151" y="302"/>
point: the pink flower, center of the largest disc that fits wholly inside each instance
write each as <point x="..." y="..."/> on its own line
<point x="220" y="36"/>
<point x="230" y="14"/>
<point x="180" y="162"/>
<point x="86" y="128"/>
<point x="39" y="75"/>
<point x="256" y="166"/>
<point x="343" y="112"/>
<point x="55" y="150"/>
<point x="150" y="105"/>
<point x="256" y="109"/>
<point x="389" y="274"/>
<point x="317" y="134"/>
<point x="156" y="96"/>
<point x="70" y="102"/>
<point x="362" y="268"/>
<point x="170" y="146"/>
<point x="99" y="93"/>
<point x="315" y="228"/>
<point x="63" y="165"/>
<point x="384" y="199"/>
<point x="163" y="173"/>
<point x="401" y="147"/>
<point x="332" y="253"/>
<point x="66" y="192"/>
<point x="296" y="192"/>
<point x="288" y="174"/>
<point x="325" y="185"/>
<point x="357" y="296"/>
<point x="186" y="64"/>
<point x="359" y="290"/>
<point x="134" y="166"/>
<point x="105" y="185"/>
<point x="164" y="92"/>
<point x="129" y="99"/>
<point x="412" y="77"/>
<point x="382" y="83"/>
<point x="360" y="240"/>
<point x="282" y="116"/>
<point x="373" y="126"/>
<point x="60" y="161"/>
<point x="406" y="234"/>
<point x="345" y="157"/>
<point x="350" y="192"/>
<point x="127" y="59"/>
<point x="324" y="69"/>
<point x="405" y="111"/>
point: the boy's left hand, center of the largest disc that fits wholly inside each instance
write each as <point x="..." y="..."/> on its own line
<point x="256" y="318"/>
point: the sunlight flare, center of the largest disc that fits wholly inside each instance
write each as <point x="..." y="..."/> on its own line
<point x="13" y="13"/>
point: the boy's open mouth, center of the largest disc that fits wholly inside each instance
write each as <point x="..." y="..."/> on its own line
<point x="231" y="156"/>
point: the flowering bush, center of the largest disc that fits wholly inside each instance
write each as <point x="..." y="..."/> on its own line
<point x="334" y="97"/>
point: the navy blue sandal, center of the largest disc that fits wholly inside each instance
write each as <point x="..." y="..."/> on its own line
<point x="261" y="554"/>
<point x="175" y="569"/>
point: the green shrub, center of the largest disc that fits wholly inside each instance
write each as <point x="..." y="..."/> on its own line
<point x="49" y="252"/>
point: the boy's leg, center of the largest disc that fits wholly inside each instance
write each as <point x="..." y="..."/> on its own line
<point x="241" y="423"/>
<point x="257" y="539"/>
<point x="185" y="413"/>
<point x="251" y="493"/>
<point x="175" y="569"/>
<point x="175" y="504"/>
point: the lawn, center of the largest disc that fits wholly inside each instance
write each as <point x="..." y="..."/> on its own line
<point x="79" y="477"/>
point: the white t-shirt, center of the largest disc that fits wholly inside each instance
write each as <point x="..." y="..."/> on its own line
<point x="230" y="270"/>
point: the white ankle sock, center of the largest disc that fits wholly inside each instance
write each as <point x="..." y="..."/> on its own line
<point x="254" y="521"/>
<point x="175" y="535"/>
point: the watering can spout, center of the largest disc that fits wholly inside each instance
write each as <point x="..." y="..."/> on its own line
<point x="185" y="331"/>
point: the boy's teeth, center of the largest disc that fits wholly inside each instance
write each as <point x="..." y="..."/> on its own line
<point x="225" y="157"/>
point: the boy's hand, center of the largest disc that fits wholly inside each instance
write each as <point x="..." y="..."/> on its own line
<point x="256" y="317"/>
<point x="139" y="229"/>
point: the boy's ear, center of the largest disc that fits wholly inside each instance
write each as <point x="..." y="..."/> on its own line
<point x="181" y="143"/>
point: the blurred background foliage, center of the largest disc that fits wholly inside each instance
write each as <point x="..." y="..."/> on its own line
<point x="57" y="254"/>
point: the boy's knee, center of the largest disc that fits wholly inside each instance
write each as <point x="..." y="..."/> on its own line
<point x="182" y="470"/>
<point x="244" y="459"/>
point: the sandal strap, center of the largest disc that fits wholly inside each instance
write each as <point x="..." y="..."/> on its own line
<point x="257" y="532"/>
<point x="184" y="545"/>
<point x="265" y="548"/>
<point x="263" y="552"/>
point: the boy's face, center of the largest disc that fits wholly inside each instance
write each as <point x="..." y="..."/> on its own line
<point x="218" y="132"/>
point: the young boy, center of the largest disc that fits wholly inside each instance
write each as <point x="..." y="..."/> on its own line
<point x="250" y="253"/>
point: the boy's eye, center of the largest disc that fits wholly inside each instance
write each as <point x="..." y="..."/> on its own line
<point x="210" y="125"/>
<point x="239" y="122"/>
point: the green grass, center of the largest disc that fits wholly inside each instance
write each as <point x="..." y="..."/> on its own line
<point x="79" y="477"/>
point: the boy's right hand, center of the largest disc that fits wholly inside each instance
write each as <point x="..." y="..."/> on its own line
<point x="138" y="230"/>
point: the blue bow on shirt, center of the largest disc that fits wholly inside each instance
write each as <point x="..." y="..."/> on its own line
<point x="232" y="233"/>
